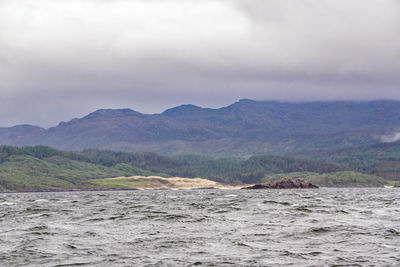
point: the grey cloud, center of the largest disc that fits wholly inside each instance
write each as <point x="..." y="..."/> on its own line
<point x="60" y="59"/>
<point x="394" y="137"/>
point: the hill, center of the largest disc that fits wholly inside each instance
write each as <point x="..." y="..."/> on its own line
<point x="43" y="168"/>
<point x="244" y="128"/>
<point x="381" y="159"/>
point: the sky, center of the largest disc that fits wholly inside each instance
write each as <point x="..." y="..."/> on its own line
<point x="61" y="59"/>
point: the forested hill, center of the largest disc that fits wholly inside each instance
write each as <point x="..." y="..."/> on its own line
<point x="244" y="128"/>
<point x="40" y="167"/>
<point x="44" y="168"/>
<point x="381" y="159"/>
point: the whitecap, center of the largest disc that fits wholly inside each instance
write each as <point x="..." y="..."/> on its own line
<point x="41" y="200"/>
<point x="7" y="203"/>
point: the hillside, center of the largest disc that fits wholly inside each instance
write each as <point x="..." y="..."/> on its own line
<point x="381" y="159"/>
<point x="244" y="128"/>
<point x="43" y="168"/>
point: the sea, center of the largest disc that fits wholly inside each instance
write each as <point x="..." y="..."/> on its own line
<point x="213" y="227"/>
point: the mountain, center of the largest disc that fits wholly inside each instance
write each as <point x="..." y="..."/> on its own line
<point x="244" y="128"/>
<point x="21" y="135"/>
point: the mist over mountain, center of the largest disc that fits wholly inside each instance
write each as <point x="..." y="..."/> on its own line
<point x="243" y="128"/>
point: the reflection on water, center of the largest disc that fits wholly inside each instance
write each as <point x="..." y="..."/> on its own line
<point x="353" y="227"/>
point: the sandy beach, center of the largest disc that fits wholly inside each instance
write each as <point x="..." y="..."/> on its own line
<point x="158" y="182"/>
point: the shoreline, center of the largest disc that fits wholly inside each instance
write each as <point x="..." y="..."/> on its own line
<point x="113" y="189"/>
<point x="171" y="189"/>
<point x="69" y="190"/>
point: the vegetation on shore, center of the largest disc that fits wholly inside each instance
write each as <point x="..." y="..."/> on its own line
<point x="42" y="168"/>
<point x="381" y="159"/>
<point x="334" y="179"/>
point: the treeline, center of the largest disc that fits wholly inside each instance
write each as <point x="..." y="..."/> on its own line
<point x="381" y="159"/>
<point x="228" y="170"/>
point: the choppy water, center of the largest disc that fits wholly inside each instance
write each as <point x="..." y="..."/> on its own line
<point x="331" y="227"/>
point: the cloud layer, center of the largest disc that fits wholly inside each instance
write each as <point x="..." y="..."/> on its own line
<point x="63" y="58"/>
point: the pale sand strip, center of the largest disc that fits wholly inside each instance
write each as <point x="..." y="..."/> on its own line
<point x="158" y="182"/>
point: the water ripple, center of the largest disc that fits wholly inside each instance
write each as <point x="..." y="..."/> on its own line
<point x="331" y="227"/>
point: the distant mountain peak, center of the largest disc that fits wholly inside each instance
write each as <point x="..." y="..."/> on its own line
<point x="25" y="127"/>
<point x="182" y="110"/>
<point x="113" y="112"/>
<point x="102" y="113"/>
<point x="246" y="100"/>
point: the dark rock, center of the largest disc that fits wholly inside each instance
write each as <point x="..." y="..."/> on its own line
<point x="286" y="183"/>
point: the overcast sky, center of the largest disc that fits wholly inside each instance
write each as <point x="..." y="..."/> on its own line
<point x="61" y="59"/>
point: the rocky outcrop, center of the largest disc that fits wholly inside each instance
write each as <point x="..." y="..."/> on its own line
<point x="286" y="183"/>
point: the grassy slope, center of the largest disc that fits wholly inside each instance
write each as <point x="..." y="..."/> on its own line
<point x="113" y="183"/>
<point x="347" y="179"/>
<point x="27" y="173"/>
